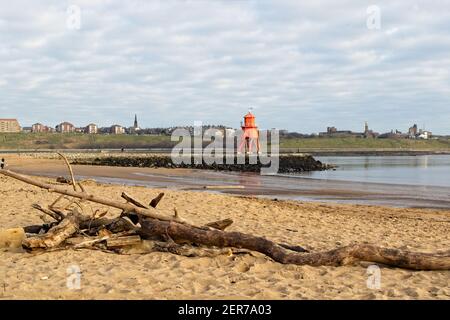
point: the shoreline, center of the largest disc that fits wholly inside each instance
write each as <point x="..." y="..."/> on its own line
<point x="246" y="184"/>
<point x="355" y="153"/>
<point x="331" y="196"/>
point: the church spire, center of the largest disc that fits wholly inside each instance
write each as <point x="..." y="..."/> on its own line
<point x="135" y="121"/>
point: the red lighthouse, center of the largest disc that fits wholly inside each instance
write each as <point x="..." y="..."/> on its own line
<point x="250" y="136"/>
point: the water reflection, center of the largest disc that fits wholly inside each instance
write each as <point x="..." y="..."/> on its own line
<point x="432" y="170"/>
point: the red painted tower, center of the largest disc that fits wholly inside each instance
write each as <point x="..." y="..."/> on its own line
<point x="250" y="137"/>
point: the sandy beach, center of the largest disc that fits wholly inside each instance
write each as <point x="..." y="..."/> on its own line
<point x="316" y="226"/>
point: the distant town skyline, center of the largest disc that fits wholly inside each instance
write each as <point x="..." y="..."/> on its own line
<point x="129" y="122"/>
<point x="301" y="66"/>
<point x="135" y="127"/>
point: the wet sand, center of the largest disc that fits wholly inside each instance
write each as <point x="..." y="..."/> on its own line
<point x="282" y="187"/>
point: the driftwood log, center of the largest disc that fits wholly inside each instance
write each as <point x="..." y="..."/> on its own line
<point x="56" y="235"/>
<point x="336" y="257"/>
<point x="176" y="231"/>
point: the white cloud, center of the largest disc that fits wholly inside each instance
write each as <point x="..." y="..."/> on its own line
<point x="302" y="66"/>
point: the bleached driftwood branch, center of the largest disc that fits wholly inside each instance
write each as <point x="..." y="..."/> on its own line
<point x="146" y="212"/>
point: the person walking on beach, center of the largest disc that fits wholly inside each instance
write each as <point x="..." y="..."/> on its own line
<point x="2" y="164"/>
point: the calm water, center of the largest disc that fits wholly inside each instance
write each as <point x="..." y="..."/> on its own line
<point x="427" y="170"/>
<point x="405" y="181"/>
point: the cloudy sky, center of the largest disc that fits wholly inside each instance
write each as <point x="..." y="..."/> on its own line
<point x="302" y="67"/>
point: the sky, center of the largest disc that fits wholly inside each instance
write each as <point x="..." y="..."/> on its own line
<point x="299" y="66"/>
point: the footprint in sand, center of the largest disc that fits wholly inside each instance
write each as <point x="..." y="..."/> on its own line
<point x="242" y="267"/>
<point x="393" y="293"/>
<point x="411" y="292"/>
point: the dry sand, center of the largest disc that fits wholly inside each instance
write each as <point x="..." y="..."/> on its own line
<point x="166" y="276"/>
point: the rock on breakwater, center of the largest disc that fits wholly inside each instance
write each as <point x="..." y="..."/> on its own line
<point x="287" y="163"/>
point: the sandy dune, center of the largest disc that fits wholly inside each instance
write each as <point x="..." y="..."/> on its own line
<point x="167" y="276"/>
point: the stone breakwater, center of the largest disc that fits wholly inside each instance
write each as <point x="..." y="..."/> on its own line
<point x="287" y="163"/>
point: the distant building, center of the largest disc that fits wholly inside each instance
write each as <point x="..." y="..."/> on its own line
<point x="135" y="128"/>
<point x="65" y="127"/>
<point x="91" y="128"/>
<point x="104" y="130"/>
<point x="369" y="133"/>
<point x="424" y="134"/>
<point x="26" y="129"/>
<point x="412" y="131"/>
<point x="393" y="135"/>
<point x="415" y="133"/>
<point x="39" y="127"/>
<point x="117" y="129"/>
<point x="79" y="130"/>
<point x="333" y="132"/>
<point x="9" y="125"/>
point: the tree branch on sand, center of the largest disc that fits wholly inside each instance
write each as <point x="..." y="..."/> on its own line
<point x="139" y="222"/>
<point x="74" y="184"/>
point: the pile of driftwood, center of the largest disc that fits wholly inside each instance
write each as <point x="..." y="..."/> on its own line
<point x="72" y="227"/>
